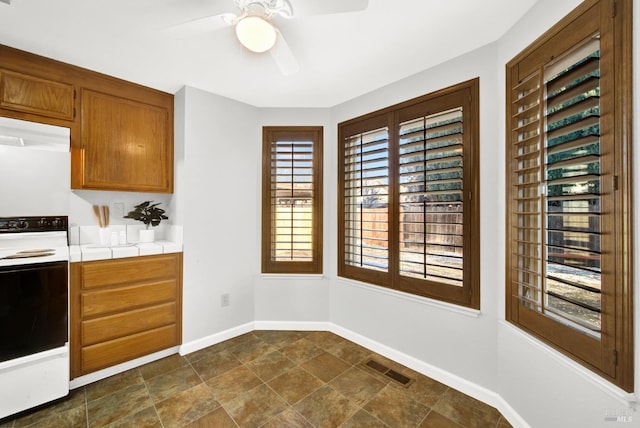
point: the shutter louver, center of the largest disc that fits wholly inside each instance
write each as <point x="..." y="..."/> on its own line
<point x="431" y="198"/>
<point x="366" y="201"/>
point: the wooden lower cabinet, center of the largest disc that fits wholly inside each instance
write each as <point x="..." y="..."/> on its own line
<point x="122" y="309"/>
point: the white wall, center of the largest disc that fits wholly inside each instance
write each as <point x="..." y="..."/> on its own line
<point x="217" y="181"/>
<point x="295" y="298"/>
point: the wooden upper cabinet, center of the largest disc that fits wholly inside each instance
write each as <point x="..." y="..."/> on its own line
<point x="30" y="94"/>
<point x="125" y="144"/>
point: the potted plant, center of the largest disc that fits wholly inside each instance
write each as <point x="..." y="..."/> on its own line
<point x="148" y="213"/>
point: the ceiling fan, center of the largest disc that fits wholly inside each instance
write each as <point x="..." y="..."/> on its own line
<point x="255" y="29"/>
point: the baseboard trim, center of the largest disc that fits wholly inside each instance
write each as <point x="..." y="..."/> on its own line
<point x="203" y="342"/>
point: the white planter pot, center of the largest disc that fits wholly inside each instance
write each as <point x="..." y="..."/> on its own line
<point x="147" y="235"/>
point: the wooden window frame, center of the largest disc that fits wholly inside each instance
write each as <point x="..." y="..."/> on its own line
<point x="292" y="133"/>
<point x="610" y="355"/>
<point x="466" y="95"/>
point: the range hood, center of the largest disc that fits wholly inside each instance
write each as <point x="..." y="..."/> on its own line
<point x="32" y="135"/>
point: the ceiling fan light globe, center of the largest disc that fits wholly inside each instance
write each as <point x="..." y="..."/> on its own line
<point x="256" y="33"/>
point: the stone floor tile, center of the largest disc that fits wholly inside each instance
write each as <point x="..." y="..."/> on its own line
<point x="301" y="351"/>
<point x="357" y="385"/>
<point x="326" y="408"/>
<point x="364" y="419"/>
<point x="325" y="366"/>
<point x="466" y="411"/>
<point x="278" y="338"/>
<point x="255" y="407"/>
<point x="232" y="384"/>
<point x="271" y="365"/>
<point x="215" y="364"/>
<point x="350" y="352"/>
<point x="164" y="386"/>
<point x="219" y="418"/>
<point x="147" y="418"/>
<point x="423" y="389"/>
<point x="325" y="339"/>
<point x="436" y="420"/>
<point x="503" y="423"/>
<point x="112" y="384"/>
<point x="163" y="366"/>
<point x="118" y="405"/>
<point x="295" y="384"/>
<point x="72" y="418"/>
<point x="396" y="408"/>
<point x="251" y="349"/>
<point x="288" y="419"/>
<point x="187" y="406"/>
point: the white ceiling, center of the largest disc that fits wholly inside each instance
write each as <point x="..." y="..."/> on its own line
<point x="341" y="56"/>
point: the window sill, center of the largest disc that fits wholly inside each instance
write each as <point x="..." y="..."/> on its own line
<point x="298" y="276"/>
<point x="449" y="307"/>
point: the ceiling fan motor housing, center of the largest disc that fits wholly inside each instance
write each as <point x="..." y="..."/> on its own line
<point x="266" y="8"/>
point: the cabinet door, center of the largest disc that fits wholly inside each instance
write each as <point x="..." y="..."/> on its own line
<point x="125" y="144"/>
<point x="30" y="94"/>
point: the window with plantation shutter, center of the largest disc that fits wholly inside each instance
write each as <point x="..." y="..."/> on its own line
<point x="292" y="200"/>
<point x="567" y="226"/>
<point x="408" y="203"/>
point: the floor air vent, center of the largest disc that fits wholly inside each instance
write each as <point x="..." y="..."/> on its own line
<point x="390" y="373"/>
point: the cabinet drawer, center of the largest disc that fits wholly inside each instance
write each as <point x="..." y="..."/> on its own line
<point x="30" y="94"/>
<point x="104" y="273"/>
<point x="112" y="352"/>
<point x="127" y="323"/>
<point x="101" y="302"/>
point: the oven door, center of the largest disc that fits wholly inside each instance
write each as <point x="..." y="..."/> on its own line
<point x="33" y="308"/>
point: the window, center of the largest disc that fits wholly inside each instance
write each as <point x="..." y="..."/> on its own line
<point x="569" y="189"/>
<point x="292" y="199"/>
<point x="408" y="210"/>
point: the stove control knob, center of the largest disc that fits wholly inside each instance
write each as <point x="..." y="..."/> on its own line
<point x="43" y="222"/>
<point x="57" y="223"/>
<point x="17" y="224"/>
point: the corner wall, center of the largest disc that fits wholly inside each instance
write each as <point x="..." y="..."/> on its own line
<point x="217" y="172"/>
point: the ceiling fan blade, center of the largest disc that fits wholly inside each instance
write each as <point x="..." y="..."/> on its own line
<point x="302" y="8"/>
<point x="284" y="57"/>
<point x="202" y="25"/>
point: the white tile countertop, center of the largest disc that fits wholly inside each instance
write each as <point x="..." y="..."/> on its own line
<point x="89" y="252"/>
<point x="85" y="243"/>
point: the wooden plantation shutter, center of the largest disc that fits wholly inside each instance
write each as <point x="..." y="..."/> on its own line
<point x="409" y="213"/>
<point x="564" y="161"/>
<point x="292" y="200"/>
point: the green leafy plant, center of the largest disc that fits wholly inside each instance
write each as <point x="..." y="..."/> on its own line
<point x="148" y="213"/>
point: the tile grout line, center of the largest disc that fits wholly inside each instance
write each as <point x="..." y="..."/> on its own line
<point x="146" y="387"/>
